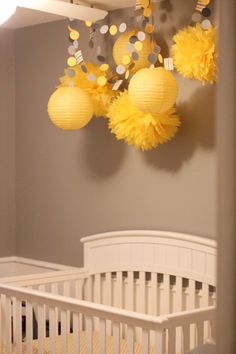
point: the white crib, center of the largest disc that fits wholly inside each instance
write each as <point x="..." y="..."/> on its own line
<point x="139" y="292"/>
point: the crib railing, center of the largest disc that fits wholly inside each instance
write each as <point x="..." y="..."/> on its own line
<point x="185" y="331"/>
<point x="147" y="292"/>
<point x="70" y="318"/>
<point x="60" y="308"/>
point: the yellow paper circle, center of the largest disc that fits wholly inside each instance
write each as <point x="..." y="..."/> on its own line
<point x="138" y="46"/>
<point x="71" y="61"/>
<point x="88" y="23"/>
<point x="74" y="35"/>
<point x="127" y="74"/>
<point x="70" y="108"/>
<point x="121" y="48"/>
<point x="160" y="58"/>
<point x="153" y="90"/>
<point x="147" y="12"/>
<point x="104" y="67"/>
<point x="101" y="80"/>
<point x="113" y="30"/>
<point x="149" y="28"/>
<point x="126" y="59"/>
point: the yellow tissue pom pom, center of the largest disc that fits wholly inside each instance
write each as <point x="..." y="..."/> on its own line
<point x="194" y="53"/>
<point x="143" y="130"/>
<point x="101" y="96"/>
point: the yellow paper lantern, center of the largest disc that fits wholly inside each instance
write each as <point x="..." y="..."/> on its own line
<point x="70" y="108"/>
<point x="101" y="96"/>
<point x="153" y="90"/>
<point x="121" y="49"/>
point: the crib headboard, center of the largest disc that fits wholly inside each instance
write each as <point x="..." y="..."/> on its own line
<point x="189" y="256"/>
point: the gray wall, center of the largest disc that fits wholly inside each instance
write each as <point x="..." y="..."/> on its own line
<point x="71" y="184"/>
<point x="7" y="143"/>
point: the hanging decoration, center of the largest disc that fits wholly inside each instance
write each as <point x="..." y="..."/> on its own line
<point x="133" y="46"/>
<point x="93" y="79"/>
<point x="137" y="92"/>
<point x="143" y="130"/>
<point x="153" y="90"/>
<point x="144" y="116"/>
<point x="194" y="50"/>
<point x="70" y="108"/>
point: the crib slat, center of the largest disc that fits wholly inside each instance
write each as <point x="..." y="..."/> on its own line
<point x="166" y="294"/>
<point x="29" y="327"/>
<point x="64" y="332"/>
<point x="171" y="340"/>
<point x="159" y="342"/>
<point x="89" y="287"/>
<point x="205" y="303"/>
<point x="145" y="342"/>
<point x="179" y="293"/>
<point x="191" y="305"/>
<point x="130" y="291"/>
<point x="67" y="292"/>
<point x="97" y="288"/>
<point x="205" y="295"/>
<point x="52" y="330"/>
<point x="192" y="293"/>
<point x="8" y="325"/>
<point x="153" y="294"/>
<point x="142" y="291"/>
<point x="186" y="338"/>
<point x="78" y="289"/>
<point x="18" y="320"/>
<point x="89" y="334"/>
<point x="102" y="337"/>
<point x="200" y="333"/>
<point x="116" y="338"/>
<point x="130" y="340"/>
<point x="55" y="290"/>
<point x="14" y="324"/>
<point x="108" y="289"/>
<point x="66" y="288"/>
<point x="76" y="333"/>
<point x="119" y="280"/>
<point x="41" y="328"/>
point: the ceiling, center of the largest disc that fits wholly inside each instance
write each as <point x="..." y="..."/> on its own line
<point x="25" y="17"/>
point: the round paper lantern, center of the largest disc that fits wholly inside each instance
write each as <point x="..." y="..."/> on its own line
<point x="153" y="90"/>
<point x="101" y="96"/>
<point x="122" y="48"/>
<point x="70" y="108"/>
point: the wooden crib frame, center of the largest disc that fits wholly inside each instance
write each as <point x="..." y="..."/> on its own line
<point x="153" y="289"/>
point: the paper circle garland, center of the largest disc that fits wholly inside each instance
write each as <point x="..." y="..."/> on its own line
<point x="123" y="47"/>
<point x="70" y="108"/>
<point x="194" y="53"/>
<point x="143" y="130"/>
<point x="100" y="95"/>
<point x="153" y="90"/>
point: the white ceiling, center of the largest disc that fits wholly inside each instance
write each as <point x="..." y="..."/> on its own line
<point x="25" y="17"/>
